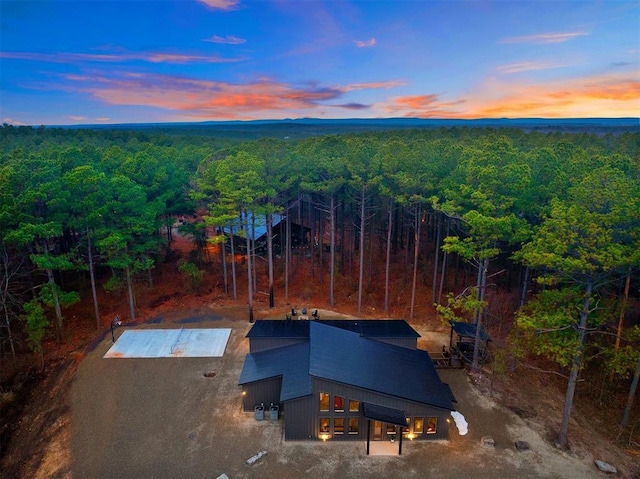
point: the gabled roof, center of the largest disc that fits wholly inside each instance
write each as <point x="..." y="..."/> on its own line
<point x="290" y="362"/>
<point x="346" y="357"/>
<point x="468" y="330"/>
<point x="257" y="225"/>
<point x="368" y="328"/>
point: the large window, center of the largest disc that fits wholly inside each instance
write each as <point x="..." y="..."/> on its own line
<point x="354" y="406"/>
<point x="418" y="425"/>
<point x="338" y="403"/>
<point x="432" y="422"/>
<point x="354" y="425"/>
<point x="338" y="425"/>
<point x="324" y="424"/>
<point x="324" y="401"/>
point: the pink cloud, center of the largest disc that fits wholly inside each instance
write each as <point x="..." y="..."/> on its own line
<point x="221" y="4"/>
<point x="151" y="57"/>
<point x="365" y="44"/>
<point x="545" y="38"/>
<point x="212" y="99"/>
<point x="229" y="40"/>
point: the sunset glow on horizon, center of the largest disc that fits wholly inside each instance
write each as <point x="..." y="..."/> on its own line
<point x="102" y="61"/>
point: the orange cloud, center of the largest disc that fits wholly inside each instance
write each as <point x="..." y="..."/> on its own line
<point x="596" y="96"/>
<point x="545" y="38"/>
<point x="365" y="44"/>
<point x="211" y="99"/>
<point x="221" y="4"/>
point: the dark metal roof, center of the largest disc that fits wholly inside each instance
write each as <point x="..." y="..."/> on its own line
<point x="385" y="414"/>
<point x="369" y="328"/>
<point x="348" y="358"/>
<point x="468" y="330"/>
<point x="290" y="362"/>
<point x="279" y="328"/>
<point x="375" y="328"/>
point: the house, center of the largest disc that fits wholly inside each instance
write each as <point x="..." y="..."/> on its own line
<point x="345" y="380"/>
<point x="300" y="235"/>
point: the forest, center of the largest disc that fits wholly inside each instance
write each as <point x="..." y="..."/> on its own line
<point x="533" y="235"/>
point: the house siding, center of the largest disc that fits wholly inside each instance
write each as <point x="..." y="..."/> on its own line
<point x="305" y="418"/>
<point x="267" y="392"/>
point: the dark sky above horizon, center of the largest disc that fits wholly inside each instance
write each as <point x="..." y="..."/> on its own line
<point x="111" y="61"/>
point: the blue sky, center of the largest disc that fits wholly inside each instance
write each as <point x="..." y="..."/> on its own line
<point x="96" y="61"/>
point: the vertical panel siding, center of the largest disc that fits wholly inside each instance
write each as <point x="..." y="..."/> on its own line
<point x="267" y="392"/>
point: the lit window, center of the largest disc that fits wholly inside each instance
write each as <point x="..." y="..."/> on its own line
<point x="324" y="424"/>
<point x="338" y="404"/>
<point x="418" y="425"/>
<point x="354" y="406"/>
<point x="391" y="429"/>
<point x="324" y="401"/>
<point x="432" y="422"/>
<point x="338" y="425"/>
<point x="353" y="425"/>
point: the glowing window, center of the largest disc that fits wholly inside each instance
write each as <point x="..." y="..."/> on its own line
<point x="354" y="406"/>
<point x="324" y="401"/>
<point x="418" y="425"/>
<point x="338" y="425"/>
<point x="338" y="404"/>
<point x="354" y="425"/>
<point x="432" y="422"/>
<point x="324" y="424"/>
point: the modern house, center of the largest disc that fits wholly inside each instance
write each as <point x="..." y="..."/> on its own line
<point x="345" y="380"/>
<point x="257" y="231"/>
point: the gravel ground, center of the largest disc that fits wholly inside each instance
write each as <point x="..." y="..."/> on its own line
<point x="162" y="418"/>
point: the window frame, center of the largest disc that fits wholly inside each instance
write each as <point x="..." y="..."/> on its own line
<point x="335" y="403"/>
<point x="356" y="421"/>
<point x="322" y="420"/>
<point x="353" y="402"/>
<point x="420" y="421"/>
<point x="339" y="430"/>
<point x="328" y="401"/>
<point x="430" y="420"/>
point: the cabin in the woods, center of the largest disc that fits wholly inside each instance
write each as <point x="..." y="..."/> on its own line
<point x="345" y="380"/>
<point x="257" y="231"/>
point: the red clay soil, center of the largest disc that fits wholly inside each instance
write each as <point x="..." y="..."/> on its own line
<point x="37" y="408"/>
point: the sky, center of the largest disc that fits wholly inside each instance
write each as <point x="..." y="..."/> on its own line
<point x="147" y="61"/>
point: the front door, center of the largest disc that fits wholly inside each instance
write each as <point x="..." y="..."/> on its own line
<point x="377" y="430"/>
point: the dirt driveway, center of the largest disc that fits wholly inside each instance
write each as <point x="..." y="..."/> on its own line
<point x="162" y="418"/>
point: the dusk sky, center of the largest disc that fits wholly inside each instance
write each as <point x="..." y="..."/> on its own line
<point x="94" y="61"/>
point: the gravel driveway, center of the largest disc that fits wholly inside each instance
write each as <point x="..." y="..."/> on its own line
<point x="182" y="418"/>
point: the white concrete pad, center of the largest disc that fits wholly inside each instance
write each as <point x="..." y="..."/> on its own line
<point x="170" y="343"/>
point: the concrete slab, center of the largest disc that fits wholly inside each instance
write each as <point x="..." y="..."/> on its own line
<point x="170" y="343"/>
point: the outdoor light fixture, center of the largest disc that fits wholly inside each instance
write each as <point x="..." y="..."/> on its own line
<point x="244" y="393"/>
<point x="324" y="436"/>
<point x="411" y="436"/>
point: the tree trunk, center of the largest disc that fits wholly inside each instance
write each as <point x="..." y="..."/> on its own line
<point x="249" y="268"/>
<point x="525" y="287"/>
<point x="482" y="287"/>
<point x="436" y="258"/>
<point x="416" y="251"/>
<point x="387" y="265"/>
<point x="623" y="309"/>
<point x="631" y="397"/>
<point x="132" y="308"/>
<point x="233" y="265"/>
<point x="56" y="304"/>
<point x="361" y="246"/>
<point x="575" y="368"/>
<point x="223" y="260"/>
<point x="332" y="265"/>
<point x="270" y="258"/>
<point x="92" y="277"/>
